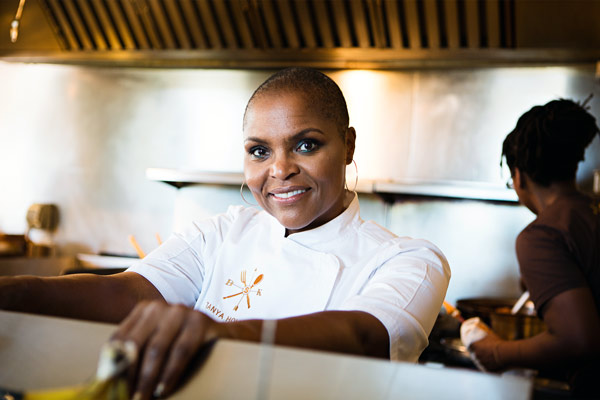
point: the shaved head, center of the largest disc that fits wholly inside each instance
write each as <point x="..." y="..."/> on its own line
<point x="321" y="94"/>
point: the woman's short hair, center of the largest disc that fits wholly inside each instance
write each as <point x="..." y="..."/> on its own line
<point x="323" y="95"/>
<point x="549" y="141"/>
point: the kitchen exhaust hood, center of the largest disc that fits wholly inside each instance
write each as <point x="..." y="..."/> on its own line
<point x="320" y="33"/>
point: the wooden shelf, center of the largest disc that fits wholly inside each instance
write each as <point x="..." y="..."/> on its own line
<point x="389" y="190"/>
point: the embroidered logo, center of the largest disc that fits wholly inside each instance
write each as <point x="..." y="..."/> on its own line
<point x="246" y="289"/>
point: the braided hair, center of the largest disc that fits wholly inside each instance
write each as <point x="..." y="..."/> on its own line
<point x="321" y="93"/>
<point x="550" y="140"/>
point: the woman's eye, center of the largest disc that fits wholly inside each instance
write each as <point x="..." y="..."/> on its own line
<point x="306" y="146"/>
<point x="258" y="152"/>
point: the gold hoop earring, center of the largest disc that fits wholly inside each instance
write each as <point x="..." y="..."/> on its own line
<point x="355" y="178"/>
<point x="242" y="194"/>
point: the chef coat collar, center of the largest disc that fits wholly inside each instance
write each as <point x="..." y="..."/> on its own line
<point x="328" y="231"/>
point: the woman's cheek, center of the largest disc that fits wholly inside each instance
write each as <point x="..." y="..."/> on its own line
<point x="253" y="181"/>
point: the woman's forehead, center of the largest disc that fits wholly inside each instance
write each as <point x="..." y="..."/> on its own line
<point x="283" y="109"/>
<point x="280" y="101"/>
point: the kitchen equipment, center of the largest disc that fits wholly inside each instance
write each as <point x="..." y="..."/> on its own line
<point x="515" y="326"/>
<point x="136" y="246"/>
<point x="452" y="311"/>
<point x="42" y="216"/>
<point x="482" y="307"/>
<point x="520" y="303"/>
<point x="456" y="353"/>
<point x="495" y="312"/>
<point x="12" y="245"/>
<point x="95" y="261"/>
<point x="42" y="220"/>
<point x="14" y="25"/>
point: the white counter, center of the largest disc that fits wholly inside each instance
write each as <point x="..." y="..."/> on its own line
<point x="43" y="352"/>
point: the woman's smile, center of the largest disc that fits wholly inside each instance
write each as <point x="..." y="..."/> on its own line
<point x="295" y="161"/>
<point x="288" y="195"/>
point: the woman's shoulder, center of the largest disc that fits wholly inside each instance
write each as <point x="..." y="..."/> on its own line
<point x="394" y="251"/>
<point x="573" y="204"/>
<point x="220" y="224"/>
<point x="568" y="221"/>
<point x="237" y="211"/>
<point x="566" y="214"/>
<point x="371" y="230"/>
<point x="395" y="244"/>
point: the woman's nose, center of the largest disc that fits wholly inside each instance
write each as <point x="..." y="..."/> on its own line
<point x="283" y="167"/>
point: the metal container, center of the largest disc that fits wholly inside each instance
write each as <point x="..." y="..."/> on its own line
<point x="482" y="307"/>
<point x="496" y="313"/>
<point x="518" y="326"/>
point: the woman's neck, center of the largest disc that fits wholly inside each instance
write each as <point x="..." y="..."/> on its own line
<point x="544" y="196"/>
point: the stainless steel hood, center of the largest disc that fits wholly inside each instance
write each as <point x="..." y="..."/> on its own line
<point x="322" y="33"/>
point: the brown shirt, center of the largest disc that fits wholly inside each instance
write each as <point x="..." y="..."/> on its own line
<point x="560" y="250"/>
<point x="557" y="252"/>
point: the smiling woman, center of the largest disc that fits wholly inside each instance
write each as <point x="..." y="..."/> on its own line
<point x="331" y="280"/>
<point x="295" y="155"/>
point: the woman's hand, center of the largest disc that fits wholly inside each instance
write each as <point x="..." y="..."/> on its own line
<point x="486" y="351"/>
<point x="167" y="337"/>
<point x="572" y="337"/>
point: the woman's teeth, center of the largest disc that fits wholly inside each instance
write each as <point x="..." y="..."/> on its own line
<point x="288" y="194"/>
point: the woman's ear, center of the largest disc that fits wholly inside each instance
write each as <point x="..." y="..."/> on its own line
<point x="519" y="179"/>
<point x="350" y="144"/>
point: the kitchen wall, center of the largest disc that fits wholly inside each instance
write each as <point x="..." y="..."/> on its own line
<point x="82" y="138"/>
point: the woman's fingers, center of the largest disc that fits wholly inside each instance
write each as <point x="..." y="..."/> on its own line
<point x="191" y="337"/>
<point x="137" y="329"/>
<point x="169" y="321"/>
<point x="130" y="321"/>
<point x="167" y="337"/>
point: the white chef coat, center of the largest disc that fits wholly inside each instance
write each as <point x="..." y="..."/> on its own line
<point x="239" y="265"/>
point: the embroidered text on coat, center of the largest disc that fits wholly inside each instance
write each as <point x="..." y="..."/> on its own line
<point x="218" y="313"/>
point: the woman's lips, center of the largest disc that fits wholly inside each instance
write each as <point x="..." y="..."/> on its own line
<point x="288" y="195"/>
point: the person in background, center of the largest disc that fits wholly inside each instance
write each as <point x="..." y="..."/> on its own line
<point x="331" y="280"/>
<point x="559" y="252"/>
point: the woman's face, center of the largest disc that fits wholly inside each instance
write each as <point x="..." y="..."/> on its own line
<point x="295" y="161"/>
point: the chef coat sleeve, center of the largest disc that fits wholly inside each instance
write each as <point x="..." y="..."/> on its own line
<point x="405" y="292"/>
<point x="177" y="268"/>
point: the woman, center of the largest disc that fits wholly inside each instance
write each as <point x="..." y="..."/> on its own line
<point x="559" y="252"/>
<point x="333" y="281"/>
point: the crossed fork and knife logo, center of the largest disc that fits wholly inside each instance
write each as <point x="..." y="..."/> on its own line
<point x="246" y="289"/>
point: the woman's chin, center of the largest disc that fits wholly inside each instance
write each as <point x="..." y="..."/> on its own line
<point x="294" y="226"/>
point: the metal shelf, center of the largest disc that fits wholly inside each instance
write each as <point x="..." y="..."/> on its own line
<point x="389" y="190"/>
<point x="181" y="178"/>
<point x="450" y="189"/>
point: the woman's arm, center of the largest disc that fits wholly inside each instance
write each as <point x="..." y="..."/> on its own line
<point x="353" y="332"/>
<point x="573" y="329"/>
<point x="106" y="298"/>
<point x="171" y="335"/>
